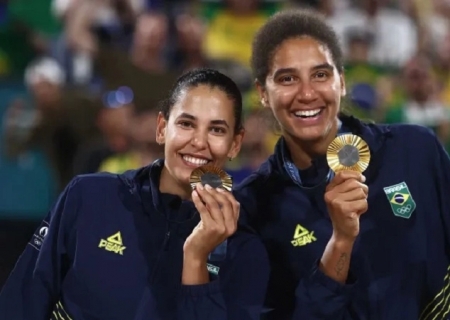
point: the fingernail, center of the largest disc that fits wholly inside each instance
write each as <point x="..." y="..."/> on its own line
<point x="194" y="194"/>
<point x="220" y="189"/>
<point x="363" y="178"/>
<point x="199" y="186"/>
<point x="208" y="187"/>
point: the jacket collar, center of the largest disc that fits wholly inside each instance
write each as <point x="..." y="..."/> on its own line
<point x="374" y="135"/>
<point x="146" y="179"/>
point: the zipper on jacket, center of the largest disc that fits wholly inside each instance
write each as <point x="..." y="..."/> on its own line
<point x="166" y="241"/>
<point x="164" y="247"/>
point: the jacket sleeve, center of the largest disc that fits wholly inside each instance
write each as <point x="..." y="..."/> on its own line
<point x="441" y="171"/>
<point x="240" y="289"/>
<point x="317" y="296"/>
<point x="32" y="289"/>
<point x="320" y="297"/>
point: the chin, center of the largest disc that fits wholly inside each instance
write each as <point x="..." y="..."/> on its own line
<point x="184" y="176"/>
<point x="180" y="175"/>
<point x="310" y="134"/>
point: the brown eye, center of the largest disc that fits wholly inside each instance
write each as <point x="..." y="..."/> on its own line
<point x="321" y="75"/>
<point x="286" y="79"/>
<point x="218" y="130"/>
<point x="185" y="124"/>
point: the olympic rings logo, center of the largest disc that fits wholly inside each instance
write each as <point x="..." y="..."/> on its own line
<point x="404" y="210"/>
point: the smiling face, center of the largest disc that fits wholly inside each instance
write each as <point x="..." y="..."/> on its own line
<point x="199" y="131"/>
<point x="304" y="89"/>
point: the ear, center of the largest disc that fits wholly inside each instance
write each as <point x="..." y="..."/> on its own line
<point x="262" y="94"/>
<point x="343" y="88"/>
<point x="236" y="145"/>
<point x="161" y="124"/>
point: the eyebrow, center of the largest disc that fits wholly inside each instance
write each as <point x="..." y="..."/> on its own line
<point x="283" y="70"/>
<point x="291" y="70"/>
<point x="193" y="118"/>
<point x="187" y="116"/>
<point x="324" y="66"/>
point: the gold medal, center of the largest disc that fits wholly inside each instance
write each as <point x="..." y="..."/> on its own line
<point x="348" y="152"/>
<point x="211" y="175"/>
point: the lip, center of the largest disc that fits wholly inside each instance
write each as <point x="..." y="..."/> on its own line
<point x="193" y="165"/>
<point x="308" y="121"/>
<point x="306" y="109"/>
<point x="193" y="155"/>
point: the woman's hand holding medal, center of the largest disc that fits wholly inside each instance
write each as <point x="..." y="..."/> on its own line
<point x="346" y="194"/>
<point x="346" y="199"/>
<point x="218" y="209"/>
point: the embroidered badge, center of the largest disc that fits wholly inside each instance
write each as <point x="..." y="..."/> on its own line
<point x="401" y="200"/>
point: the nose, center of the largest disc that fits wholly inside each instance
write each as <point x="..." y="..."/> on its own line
<point x="200" y="139"/>
<point x="306" y="93"/>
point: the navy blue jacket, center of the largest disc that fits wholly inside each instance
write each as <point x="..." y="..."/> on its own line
<point x="112" y="248"/>
<point x="401" y="259"/>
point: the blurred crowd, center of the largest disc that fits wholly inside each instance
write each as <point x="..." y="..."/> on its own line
<point x="81" y="80"/>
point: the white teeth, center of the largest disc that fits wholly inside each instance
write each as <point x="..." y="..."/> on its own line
<point x="308" y="113"/>
<point x="195" y="161"/>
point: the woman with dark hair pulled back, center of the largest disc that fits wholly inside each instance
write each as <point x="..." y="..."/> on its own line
<point x="143" y="244"/>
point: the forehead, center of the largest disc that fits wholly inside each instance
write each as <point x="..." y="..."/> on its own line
<point x="301" y="53"/>
<point x="205" y="103"/>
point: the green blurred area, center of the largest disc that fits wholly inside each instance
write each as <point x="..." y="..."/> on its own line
<point x="23" y="20"/>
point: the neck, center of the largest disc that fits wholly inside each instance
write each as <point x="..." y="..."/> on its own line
<point x="167" y="184"/>
<point x="303" y="152"/>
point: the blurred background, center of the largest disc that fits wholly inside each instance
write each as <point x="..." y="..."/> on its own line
<point x="80" y="81"/>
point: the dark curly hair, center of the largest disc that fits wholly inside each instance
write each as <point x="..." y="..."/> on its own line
<point x="290" y="24"/>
